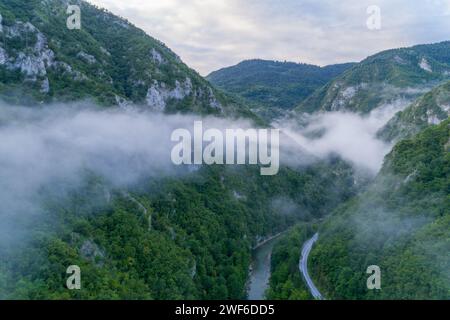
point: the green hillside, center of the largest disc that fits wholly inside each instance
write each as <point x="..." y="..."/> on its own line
<point x="108" y="60"/>
<point x="400" y="223"/>
<point x="194" y="241"/>
<point x="286" y="282"/>
<point x="185" y="237"/>
<point x="430" y="109"/>
<point x="386" y="77"/>
<point x="190" y="235"/>
<point x="272" y="86"/>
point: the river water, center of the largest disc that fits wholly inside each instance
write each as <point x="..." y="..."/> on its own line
<point x="260" y="274"/>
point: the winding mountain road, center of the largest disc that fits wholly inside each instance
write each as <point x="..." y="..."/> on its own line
<point x="303" y="267"/>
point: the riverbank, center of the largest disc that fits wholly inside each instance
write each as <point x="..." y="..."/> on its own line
<point x="260" y="268"/>
<point x="303" y="267"/>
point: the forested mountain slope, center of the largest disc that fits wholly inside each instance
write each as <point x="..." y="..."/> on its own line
<point x="274" y="86"/>
<point x="108" y="60"/>
<point x="167" y="237"/>
<point x="401" y="223"/>
<point x="192" y="242"/>
<point x="387" y="77"/>
<point x="430" y="109"/>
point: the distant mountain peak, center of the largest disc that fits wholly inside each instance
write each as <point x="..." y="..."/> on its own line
<point x="274" y="86"/>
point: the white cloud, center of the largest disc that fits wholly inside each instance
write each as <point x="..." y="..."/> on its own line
<point x="213" y="34"/>
<point x="351" y="136"/>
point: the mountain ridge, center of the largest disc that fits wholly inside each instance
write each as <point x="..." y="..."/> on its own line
<point x="194" y="238"/>
<point x="108" y="60"/>
<point x="399" y="224"/>
<point x="430" y="109"/>
<point x="274" y="86"/>
<point x="383" y="78"/>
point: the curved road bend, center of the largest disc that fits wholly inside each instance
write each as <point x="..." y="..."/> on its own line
<point x="303" y="266"/>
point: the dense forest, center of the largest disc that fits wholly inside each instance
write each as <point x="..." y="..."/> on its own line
<point x="400" y="223"/>
<point x="286" y="282"/>
<point x="273" y="87"/>
<point x="384" y="78"/>
<point x="163" y="238"/>
<point x="108" y="61"/>
<point x="429" y="109"/>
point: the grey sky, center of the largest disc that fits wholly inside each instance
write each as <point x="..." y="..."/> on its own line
<point x="211" y="34"/>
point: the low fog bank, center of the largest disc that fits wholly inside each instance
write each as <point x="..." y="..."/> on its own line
<point x="53" y="148"/>
<point x="48" y="151"/>
<point x="351" y="136"/>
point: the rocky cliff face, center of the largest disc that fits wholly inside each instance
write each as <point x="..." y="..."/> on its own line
<point x="108" y="60"/>
<point x="430" y="109"/>
<point x="388" y="77"/>
<point x="33" y="62"/>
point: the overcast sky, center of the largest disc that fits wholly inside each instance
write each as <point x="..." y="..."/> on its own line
<point x="211" y="34"/>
